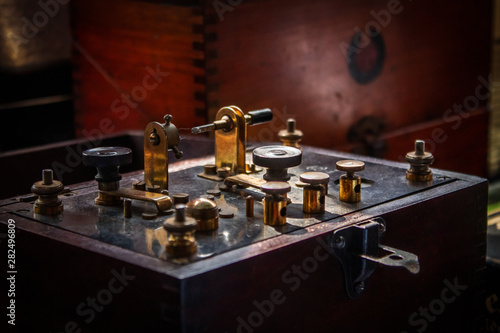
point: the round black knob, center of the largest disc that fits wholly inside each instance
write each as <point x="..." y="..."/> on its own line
<point x="277" y="159"/>
<point x="107" y="160"/>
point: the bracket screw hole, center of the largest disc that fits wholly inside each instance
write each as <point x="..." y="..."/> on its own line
<point x="339" y="242"/>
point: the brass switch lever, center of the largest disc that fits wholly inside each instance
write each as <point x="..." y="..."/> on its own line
<point x="108" y="160"/>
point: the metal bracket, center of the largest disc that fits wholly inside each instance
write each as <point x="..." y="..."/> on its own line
<point x="359" y="250"/>
<point x="158" y="139"/>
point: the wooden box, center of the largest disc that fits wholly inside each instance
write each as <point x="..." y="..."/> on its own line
<point x="91" y="270"/>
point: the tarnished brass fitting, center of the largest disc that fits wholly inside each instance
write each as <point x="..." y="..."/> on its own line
<point x="205" y="212"/>
<point x="350" y="184"/>
<point x="48" y="203"/>
<point x="419" y="163"/>
<point x="275" y="202"/>
<point x="315" y="191"/>
<point x="290" y="136"/>
<point x="180" y="234"/>
<point x="249" y="201"/>
<point x="180" y="198"/>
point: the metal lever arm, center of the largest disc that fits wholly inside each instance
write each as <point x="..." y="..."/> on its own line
<point x="226" y="124"/>
<point x="162" y="202"/>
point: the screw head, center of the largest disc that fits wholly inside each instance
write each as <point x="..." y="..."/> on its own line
<point x="350" y="166"/>
<point x="154" y="139"/>
<point x="314" y="177"/>
<point x="276" y="188"/>
<point x="360" y="287"/>
<point x="339" y="242"/>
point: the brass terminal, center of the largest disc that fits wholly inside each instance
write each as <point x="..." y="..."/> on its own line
<point x="47" y="190"/>
<point x="419" y="163"/>
<point x="180" y="234"/>
<point x="275" y="202"/>
<point x="290" y="136"/>
<point x="350" y="184"/>
<point x="205" y="212"/>
<point x="315" y="191"/>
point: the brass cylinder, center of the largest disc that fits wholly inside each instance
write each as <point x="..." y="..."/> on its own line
<point x="275" y="209"/>
<point x="127" y="208"/>
<point x="350" y="188"/>
<point x="249" y="205"/>
<point x="314" y="199"/>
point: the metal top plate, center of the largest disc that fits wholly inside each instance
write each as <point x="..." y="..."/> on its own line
<point x="380" y="183"/>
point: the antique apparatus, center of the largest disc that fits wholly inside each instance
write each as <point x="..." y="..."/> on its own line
<point x="276" y="238"/>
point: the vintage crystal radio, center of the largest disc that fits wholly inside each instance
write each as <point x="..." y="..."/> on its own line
<point x="277" y="237"/>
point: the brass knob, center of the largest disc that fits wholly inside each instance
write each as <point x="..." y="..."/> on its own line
<point x="350" y="184"/>
<point x="315" y="191"/>
<point x="205" y="212"/>
<point x="180" y="234"/>
<point x="275" y="202"/>
<point x="419" y="161"/>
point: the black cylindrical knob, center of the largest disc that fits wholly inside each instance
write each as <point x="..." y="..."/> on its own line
<point x="107" y="160"/>
<point x="260" y="116"/>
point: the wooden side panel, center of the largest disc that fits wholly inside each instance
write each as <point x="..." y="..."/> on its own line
<point x="300" y="287"/>
<point x="134" y="62"/>
<point x="290" y="56"/>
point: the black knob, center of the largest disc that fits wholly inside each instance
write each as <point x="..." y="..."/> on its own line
<point x="107" y="160"/>
<point x="260" y="116"/>
<point x="277" y="159"/>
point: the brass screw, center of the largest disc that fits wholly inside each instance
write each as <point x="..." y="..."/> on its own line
<point x="154" y="138"/>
